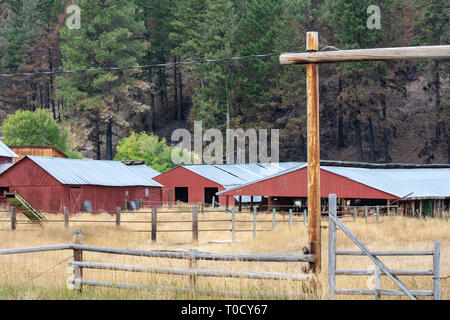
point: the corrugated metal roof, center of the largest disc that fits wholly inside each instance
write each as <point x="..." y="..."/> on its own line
<point x="5" y="151"/>
<point x="299" y="165"/>
<point x="424" y="182"/>
<point x="234" y="175"/>
<point x="4" y="166"/>
<point x="92" y="172"/>
<point x="144" y="171"/>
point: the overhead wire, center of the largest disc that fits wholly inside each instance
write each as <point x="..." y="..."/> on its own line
<point x="147" y="66"/>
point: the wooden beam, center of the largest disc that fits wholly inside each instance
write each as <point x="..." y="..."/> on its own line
<point x="359" y="55"/>
<point x="312" y="89"/>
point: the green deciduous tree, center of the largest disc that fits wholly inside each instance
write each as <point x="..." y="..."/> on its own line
<point x="36" y="128"/>
<point x="141" y="146"/>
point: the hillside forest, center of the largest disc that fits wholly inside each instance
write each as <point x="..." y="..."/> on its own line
<point x="372" y="112"/>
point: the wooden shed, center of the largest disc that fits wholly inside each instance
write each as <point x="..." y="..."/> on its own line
<point x="41" y="151"/>
<point x="49" y="184"/>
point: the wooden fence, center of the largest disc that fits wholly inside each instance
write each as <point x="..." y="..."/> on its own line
<point x="380" y="269"/>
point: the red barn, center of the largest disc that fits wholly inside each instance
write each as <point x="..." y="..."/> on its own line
<point x="49" y="184"/>
<point x="200" y="183"/>
<point x="354" y="184"/>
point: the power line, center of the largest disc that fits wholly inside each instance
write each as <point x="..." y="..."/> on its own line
<point x="159" y="65"/>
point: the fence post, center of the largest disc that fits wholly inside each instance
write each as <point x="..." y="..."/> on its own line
<point x="66" y="217"/>
<point x="377" y="275"/>
<point x="12" y="213"/>
<point x="273" y="219"/>
<point x="305" y="217"/>
<point x="378" y="212"/>
<point x="193" y="266"/>
<point x="332" y="248"/>
<point x="233" y="224"/>
<point x="437" y="271"/>
<point x="290" y="217"/>
<point x="366" y="214"/>
<point x="77" y="238"/>
<point x="195" y="225"/>
<point x="354" y="213"/>
<point x="154" y="223"/>
<point x="118" y="212"/>
<point x="254" y="223"/>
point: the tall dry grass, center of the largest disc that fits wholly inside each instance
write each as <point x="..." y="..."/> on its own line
<point x="43" y="275"/>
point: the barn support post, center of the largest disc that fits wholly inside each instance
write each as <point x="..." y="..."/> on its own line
<point x="413" y="207"/>
<point x="12" y="214"/>
<point x="251" y="203"/>
<point x="332" y="247"/>
<point x="154" y="223"/>
<point x="118" y="212"/>
<point x="388" y="206"/>
<point x="421" y="208"/>
<point x="314" y="203"/>
<point x="195" y="225"/>
<point x="437" y="271"/>
<point x="240" y="203"/>
<point x="169" y="198"/>
<point x="269" y="204"/>
<point x="378" y="213"/>
<point x="202" y="206"/>
<point x="77" y="238"/>
<point x="66" y="217"/>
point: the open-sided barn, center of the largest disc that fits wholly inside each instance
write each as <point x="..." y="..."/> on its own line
<point x="49" y="184"/>
<point x="413" y="186"/>
<point x="200" y="183"/>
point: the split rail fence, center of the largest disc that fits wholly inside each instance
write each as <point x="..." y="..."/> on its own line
<point x="77" y="281"/>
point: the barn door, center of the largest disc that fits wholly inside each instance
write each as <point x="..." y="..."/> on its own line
<point x="75" y="199"/>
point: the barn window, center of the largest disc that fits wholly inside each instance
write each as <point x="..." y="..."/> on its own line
<point x="209" y="194"/>
<point x="146" y="192"/>
<point x="181" y="194"/>
<point x="126" y="193"/>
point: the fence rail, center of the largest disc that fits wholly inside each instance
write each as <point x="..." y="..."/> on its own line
<point x="76" y="280"/>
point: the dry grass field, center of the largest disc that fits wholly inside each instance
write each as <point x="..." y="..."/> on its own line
<point x="43" y="275"/>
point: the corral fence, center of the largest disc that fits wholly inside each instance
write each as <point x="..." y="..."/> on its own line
<point x="371" y="214"/>
<point x="380" y="269"/>
<point x="76" y="280"/>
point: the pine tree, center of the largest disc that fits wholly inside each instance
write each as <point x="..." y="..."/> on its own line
<point x="433" y="28"/>
<point x="110" y="36"/>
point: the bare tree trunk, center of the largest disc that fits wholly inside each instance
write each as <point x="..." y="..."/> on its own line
<point x="97" y="139"/>
<point x="358" y="140"/>
<point x="109" y="151"/>
<point x="175" y="85"/>
<point x="181" y="109"/>
<point x="371" y="142"/>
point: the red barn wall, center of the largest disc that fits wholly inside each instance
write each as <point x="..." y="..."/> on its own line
<point x="294" y="184"/>
<point x="46" y="193"/>
<point x="196" y="184"/>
